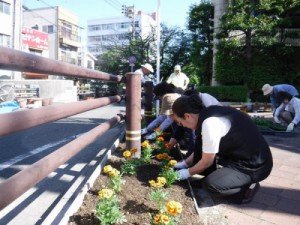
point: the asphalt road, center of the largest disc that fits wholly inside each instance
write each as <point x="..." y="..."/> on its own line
<point x="19" y="150"/>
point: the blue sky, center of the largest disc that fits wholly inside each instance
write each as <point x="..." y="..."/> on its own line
<point x="173" y="12"/>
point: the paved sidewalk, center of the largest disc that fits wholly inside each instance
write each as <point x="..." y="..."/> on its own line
<point x="278" y="199"/>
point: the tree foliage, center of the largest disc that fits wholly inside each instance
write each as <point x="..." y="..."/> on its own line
<point x="259" y="43"/>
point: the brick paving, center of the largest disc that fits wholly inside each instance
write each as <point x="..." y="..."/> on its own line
<point x="278" y="200"/>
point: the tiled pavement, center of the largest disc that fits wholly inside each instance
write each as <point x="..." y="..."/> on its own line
<point x="278" y="199"/>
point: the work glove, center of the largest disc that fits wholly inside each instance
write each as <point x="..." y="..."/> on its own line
<point x="181" y="165"/>
<point x="183" y="174"/>
<point x="290" y="127"/>
<point x="276" y="119"/>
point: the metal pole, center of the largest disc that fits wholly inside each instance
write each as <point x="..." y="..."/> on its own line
<point x="133" y="112"/>
<point x="21" y="120"/>
<point x="148" y="101"/>
<point x="158" y="51"/>
<point x="21" y="61"/>
<point x="18" y="184"/>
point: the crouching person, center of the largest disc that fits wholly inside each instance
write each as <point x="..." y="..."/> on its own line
<point x="228" y="138"/>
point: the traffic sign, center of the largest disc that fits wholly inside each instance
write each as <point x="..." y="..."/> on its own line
<point x="132" y="60"/>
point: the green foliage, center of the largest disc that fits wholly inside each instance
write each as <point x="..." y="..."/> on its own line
<point x="159" y="197"/>
<point x="263" y="124"/>
<point x="226" y="93"/>
<point x="170" y="175"/>
<point x="108" y="211"/>
<point x="131" y="166"/>
<point x="115" y="183"/>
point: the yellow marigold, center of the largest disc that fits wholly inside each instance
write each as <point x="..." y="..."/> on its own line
<point x="114" y="172"/>
<point x="107" y="169"/>
<point x="161" y="180"/>
<point x="174" y="207"/>
<point x="172" y="162"/>
<point x="105" y="193"/>
<point x="151" y="182"/>
<point x="165" y="219"/>
<point x="146" y="144"/>
<point x="127" y="154"/>
<point x="157" y="219"/>
<point x="133" y="150"/>
<point x="160" y="139"/>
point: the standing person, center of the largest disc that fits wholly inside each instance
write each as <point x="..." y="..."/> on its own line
<point x="288" y="111"/>
<point x="178" y="78"/>
<point x="145" y="72"/>
<point x="228" y="138"/>
<point x="273" y="92"/>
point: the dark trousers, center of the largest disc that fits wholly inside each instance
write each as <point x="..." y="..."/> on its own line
<point x="225" y="182"/>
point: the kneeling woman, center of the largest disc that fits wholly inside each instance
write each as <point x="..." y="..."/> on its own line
<point x="228" y="138"/>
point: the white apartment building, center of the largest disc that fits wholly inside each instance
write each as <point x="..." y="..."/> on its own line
<point x="105" y="32"/>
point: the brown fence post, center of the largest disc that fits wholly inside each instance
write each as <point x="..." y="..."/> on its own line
<point x="148" y="113"/>
<point x="133" y="112"/>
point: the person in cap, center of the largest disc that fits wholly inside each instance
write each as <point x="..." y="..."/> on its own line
<point x="178" y="78"/>
<point x="288" y="112"/>
<point x="145" y="72"/>
<point x="230" y="150"/>
<point x="273" y="92"/>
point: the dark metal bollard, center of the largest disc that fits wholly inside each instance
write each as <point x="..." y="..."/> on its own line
<point x="148" y="113"/>
<point x="133" y="112"/>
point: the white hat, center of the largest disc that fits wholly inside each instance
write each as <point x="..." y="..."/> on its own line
<point x="148" y="67"/>
<point x="177" y="67"/>
<point x="267" y="89"/>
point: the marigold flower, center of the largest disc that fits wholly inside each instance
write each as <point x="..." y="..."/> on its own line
<point x="165" y="219"/>
<point x="160" y="139"/>
<point x="161" y="180"/>
<point x="157" y="219"/>
<point x="127" y="154"/>
<point x="167" y="167"/>
<point x="167" y="145"/>
<point x="159" y="156"/>
<point x="174" y="207"/>
<point x="146" y="144"/>
<point x="157" y="129"/>
<point x="105" y="193"/>
<point x="107" y="169"/>
<point x="165" y="156"/>
<point x="133" y="150"/>
<point x="151" y="182"/>
<point x="114" y="173"/>
<point x="172" y="162"/>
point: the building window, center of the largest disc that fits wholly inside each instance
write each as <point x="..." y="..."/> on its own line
<point x="4" y="40"/>
<point x="4" y="8"/>
<point x="48" y="29"/>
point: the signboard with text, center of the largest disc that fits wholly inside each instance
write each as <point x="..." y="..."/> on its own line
<point x="34" y="38"/>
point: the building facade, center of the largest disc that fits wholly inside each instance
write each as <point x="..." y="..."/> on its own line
<point x="103" y="33"/>
<point x="62" y="27"/>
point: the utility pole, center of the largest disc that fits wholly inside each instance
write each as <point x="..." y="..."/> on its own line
<point x="129" y="12"/>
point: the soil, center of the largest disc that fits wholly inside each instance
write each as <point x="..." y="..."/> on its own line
<point x="134" y="197"/>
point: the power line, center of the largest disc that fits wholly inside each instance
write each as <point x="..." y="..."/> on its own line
<point x="113" y="4"/>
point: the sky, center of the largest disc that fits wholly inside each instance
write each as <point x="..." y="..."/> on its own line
<point x="172" y="12"/>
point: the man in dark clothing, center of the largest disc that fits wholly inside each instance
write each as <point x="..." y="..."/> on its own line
<point x="228" y="138"/>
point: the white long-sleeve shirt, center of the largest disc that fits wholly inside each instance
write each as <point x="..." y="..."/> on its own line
<point x="180" y="80"/>
<point x="292" y="106"/>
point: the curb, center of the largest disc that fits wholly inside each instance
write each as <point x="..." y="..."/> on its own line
<point x="73" y="198"/>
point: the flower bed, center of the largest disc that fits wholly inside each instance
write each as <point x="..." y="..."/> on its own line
<point x="140" y="194"/>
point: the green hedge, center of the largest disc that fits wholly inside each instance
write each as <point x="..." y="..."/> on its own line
<point x="226" y="93"/>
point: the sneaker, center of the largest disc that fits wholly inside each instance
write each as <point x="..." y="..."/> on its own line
<point x="144" y="131"/>
<point x="250" y="193"/>
<point x="150" y="136"/>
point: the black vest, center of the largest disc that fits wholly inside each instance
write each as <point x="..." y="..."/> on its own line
<point x="243" y="148"/>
